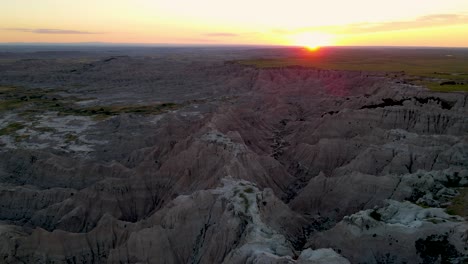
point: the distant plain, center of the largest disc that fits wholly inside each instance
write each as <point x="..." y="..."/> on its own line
<point x="429" y="67"/>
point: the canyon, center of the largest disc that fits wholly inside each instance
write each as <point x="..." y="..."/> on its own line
<point x="183" y="156"/>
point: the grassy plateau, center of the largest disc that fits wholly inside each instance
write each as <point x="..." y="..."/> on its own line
<point x="437" y="69"/>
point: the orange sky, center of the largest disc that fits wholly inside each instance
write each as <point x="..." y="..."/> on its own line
<point x="293" y="22"/>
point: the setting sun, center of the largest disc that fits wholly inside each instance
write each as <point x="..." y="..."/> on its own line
<point x="313" y="40"/>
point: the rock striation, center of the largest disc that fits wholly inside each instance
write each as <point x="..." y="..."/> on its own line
<point x="279" y="165"/>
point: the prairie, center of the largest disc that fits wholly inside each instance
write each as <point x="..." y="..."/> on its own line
<point x="430" y="67"/>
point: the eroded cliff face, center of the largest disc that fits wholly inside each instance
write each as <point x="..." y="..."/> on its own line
<point x="289" y="165"/>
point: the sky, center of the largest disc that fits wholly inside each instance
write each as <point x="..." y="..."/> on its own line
<point x="252" y="22"/>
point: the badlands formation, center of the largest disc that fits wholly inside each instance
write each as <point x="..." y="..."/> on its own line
<point x="179" y="159"/>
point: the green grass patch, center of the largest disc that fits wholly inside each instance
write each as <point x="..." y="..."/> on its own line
<point x="45" y="129"/>
<point x="11" y="128"/>
<point x="103" y="112"/>
<point x="71" y="138"/>
<point x="459" y="204"/>
<point x="130" y="109"/>
<point x="6" y="89"/>
<point x="249" y="190"/>
<point x="434" y="85"/>
<point x="423" y="205"/>
<point x="435" y="220"/>
<point x="245" y="200"/>
<point x="19" y="138"/>
<point x="6" y="105"/>
<point x="19" y="98"/>
<point x="30" y="102"/>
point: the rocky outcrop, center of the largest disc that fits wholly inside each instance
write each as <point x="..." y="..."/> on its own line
<point x="398" y="232"/>
<point x="234" y="223"/>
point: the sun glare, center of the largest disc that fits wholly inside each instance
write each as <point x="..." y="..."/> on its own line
<point x="313" y="40"/>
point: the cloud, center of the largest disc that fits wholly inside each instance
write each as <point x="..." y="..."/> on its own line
<point x="435" y="20"/>
<point x="421" y="22"/>
<point x="221" y="34"/>
<point x="51" y="31"/>
<point x="197" y="40"/>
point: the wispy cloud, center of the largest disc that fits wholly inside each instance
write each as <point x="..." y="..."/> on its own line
<point x="435" y="20"/>
<point x="198" y="40"/>
<point x="221" y="34"/>
<point x="51" y="31"/>
<point x="421" y="22"/>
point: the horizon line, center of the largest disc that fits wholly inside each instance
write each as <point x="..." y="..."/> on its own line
<point x="168" y="45"/>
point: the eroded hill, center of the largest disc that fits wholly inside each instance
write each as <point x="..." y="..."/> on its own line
<point x="136" y="159"/>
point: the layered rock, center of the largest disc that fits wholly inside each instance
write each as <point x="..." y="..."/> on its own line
<point x="234" y="223"/>
<point x="282" y="165"/>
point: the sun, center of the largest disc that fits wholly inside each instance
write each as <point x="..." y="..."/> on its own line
<point x="312" y="40"/>
<point x="312" y="47"/>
